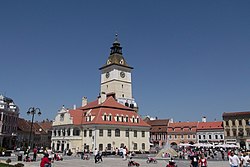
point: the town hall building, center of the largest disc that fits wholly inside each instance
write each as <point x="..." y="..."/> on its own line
<point x="111" y="121"/>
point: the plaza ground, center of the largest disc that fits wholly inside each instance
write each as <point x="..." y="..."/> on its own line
<point x="115" y="162"/>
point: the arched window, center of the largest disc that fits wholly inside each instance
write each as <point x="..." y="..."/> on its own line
<point x="117" y="132"/>
<point x="55" y="132"/>
<point x="76" y="132"/>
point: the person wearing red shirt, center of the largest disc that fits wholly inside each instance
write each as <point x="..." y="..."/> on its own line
<point x="45" y="162"/>
<point x="202" y="161"/>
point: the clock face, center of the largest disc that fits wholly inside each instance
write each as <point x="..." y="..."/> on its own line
<point x="122" y="74"/>
<point x="107" y="75"/>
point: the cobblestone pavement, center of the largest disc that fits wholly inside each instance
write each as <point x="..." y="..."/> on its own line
<point x="118" y="162"/>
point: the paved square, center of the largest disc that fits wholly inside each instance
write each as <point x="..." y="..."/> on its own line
<point x="117" y="162"/>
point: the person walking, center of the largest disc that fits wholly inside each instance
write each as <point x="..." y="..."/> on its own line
<point x="194" y="160"/>
<point x="34" y="154"/>
<point x="95" y="155"/>
<point x="245" y="160"/>
<point x="234" y="161"/>
<point x="202" y="161"/>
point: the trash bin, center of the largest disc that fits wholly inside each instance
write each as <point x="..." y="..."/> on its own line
<point x="20" y="157"/>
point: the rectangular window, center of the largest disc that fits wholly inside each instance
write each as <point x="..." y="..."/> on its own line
<point x="85" y="133"/>
<point x="143" y="134"/>
<point x="135" y="146"/>
<point x="143" y="146"/>
<point x="109" y="132"/>
<point x="127" y="133"/>
<point x="240" y="122"/>
<point x="100" y="132"/>
<point x="135" y="133"/>
<point x="90" y="133"/>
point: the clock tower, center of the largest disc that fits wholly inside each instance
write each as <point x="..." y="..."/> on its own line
<point x="116" y="77"/>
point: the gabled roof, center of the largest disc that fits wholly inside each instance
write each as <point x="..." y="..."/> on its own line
<point x="210" y="125"/>
<point x="109" y="107"/>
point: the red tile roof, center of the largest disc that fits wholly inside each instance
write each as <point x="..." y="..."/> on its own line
<point x="182" y="127"/>
<point x="23" y="125"/>
<point x="158" y="125"/>
<point x="210" y="125"/>
<point x="158" y="122"/>
<point x="109" y="106"/>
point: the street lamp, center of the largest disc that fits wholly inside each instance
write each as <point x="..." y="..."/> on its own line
<point x="32" y="111"/>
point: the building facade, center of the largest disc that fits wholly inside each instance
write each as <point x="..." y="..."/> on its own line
<point x="210" y="132"/>
<point x="109" y="122"/>
<point x="237" y="128"/>
<point x="158" y="132"/>
<point x="182" y="132"/>
<point x="9" y="113"/>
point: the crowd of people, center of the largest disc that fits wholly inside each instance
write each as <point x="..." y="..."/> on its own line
<point x="199" y="156"/>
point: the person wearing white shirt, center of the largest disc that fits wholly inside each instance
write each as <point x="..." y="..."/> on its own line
<point x="234" y="161"/>
<point x="245" y="160"/>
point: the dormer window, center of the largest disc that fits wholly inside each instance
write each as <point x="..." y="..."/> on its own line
<point x="126" y="118"/>
<point x="121" y="61"/>
<point x="105" y="117"/>
<point x="108" y="62"/>
<point x="110" y="117"/>
<point x="117" y="117"/>
<point x="137" y="120"/>
<point x="62" y="117"/>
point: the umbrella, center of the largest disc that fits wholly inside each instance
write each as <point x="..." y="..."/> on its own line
<point x="184" y="144"/>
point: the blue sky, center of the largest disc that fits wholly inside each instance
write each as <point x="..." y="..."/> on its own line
<point x="190" y="58"/>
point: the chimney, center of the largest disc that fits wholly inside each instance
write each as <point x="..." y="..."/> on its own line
<point x="84" y="101"/>
<point x="171" y="120"/>
<point x="203" y="119"/>
<point x="103" y="97"/>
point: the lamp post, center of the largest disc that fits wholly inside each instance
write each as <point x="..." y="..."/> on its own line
<point x="32" y="111"/>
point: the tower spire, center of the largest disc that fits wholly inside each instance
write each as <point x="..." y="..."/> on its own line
<point x="116" y="48"/>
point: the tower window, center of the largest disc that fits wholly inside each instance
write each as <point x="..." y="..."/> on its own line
<point x="122" y="95"/>
<point x="122" y="86"/>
